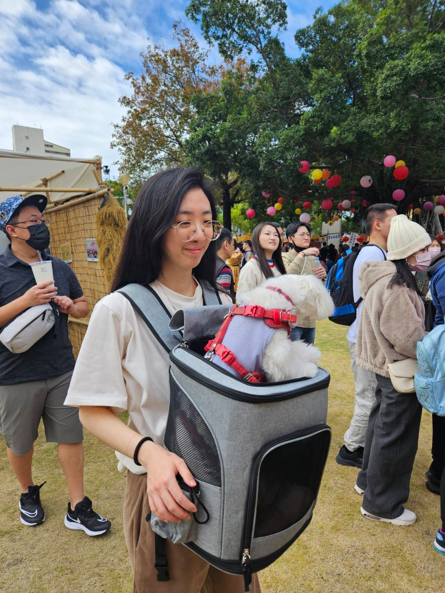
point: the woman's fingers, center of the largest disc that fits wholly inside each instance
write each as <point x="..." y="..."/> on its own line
<point x="161" y="511"/>
<point x="184" y="471"/>
<point x="181" y="498"/>
<point x="173" y="507"/>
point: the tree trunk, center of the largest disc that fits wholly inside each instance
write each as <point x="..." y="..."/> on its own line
<point x="227" y="207"/>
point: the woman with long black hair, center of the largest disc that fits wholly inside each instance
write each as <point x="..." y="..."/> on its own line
<point x="168" y="248"/>
<point x="266" y="262"/>
<point x="391" y="323"/>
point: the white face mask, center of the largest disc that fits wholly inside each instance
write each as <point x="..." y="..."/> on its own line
<point x="434" y="251"/>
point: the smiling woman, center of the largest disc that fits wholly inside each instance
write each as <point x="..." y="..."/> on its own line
<point x="168" y="249"/>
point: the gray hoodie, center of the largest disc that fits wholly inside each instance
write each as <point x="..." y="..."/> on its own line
<point x="392" y="320"/>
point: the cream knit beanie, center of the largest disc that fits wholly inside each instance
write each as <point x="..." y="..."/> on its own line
<point x="405" y="238"/>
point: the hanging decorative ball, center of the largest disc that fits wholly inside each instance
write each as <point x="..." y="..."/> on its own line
<point x="281" y="200"/>
<point x="340" y="206"/>
<point x="353" y="193"/>
<point x="346" y="204"/>
<point x="329" y="184"/>
<point x="389" y="161"/>
<point x="352" y="210"/>
<point x="442" y="200"/>
<point x="344" y="239"/>
<point x="416" y="210"/>
<point x="352" y="201"/>
<point x="326" y="204"/>
<point x="251" y="213"/>
<point x="440" y="237"/>
<point x="317" y="181"/>
<point x="317" y="174"/>
<point x="361" y="239"/>
<point x="335" y="180"/>
<point x="271" y="211"/>
<point x="401" y="172"/>
<point x="400" y="164"/>
<point x="305" y="166"/>
<point x="278" y="206"/>
<point x="428" y="206"/>
<point x="439" y="210"/>
<point x="305" y="217"/>
<point x="307" y="205"/>
<point x="265" y="194"/>
<point x="365" y="204"/>
<point x="330" y="223"/>
<point x="411" y="206"/>
<point x="335" y="218"/>
<point x="436" y="198"/>
<point x="366" y="181"/>
<point x="398" y="195"/>
<point x="325" y="174"/>
<point x="297" y="210"/>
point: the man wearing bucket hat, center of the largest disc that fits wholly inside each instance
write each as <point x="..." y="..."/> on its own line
<point x="391" y="324"/>
<point x="34" y="383"/>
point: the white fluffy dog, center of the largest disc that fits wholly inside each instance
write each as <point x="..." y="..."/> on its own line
<point x="283" y="359"/>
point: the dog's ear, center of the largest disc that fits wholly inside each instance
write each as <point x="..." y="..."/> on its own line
<point x="323" y="304"/>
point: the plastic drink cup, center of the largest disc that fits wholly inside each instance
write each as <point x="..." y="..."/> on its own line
<point x="43" y="271"/>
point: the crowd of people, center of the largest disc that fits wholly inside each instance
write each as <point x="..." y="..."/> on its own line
<point x="174" y="245"/>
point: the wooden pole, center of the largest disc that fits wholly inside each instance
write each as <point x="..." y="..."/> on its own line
<point x="54" y="208"/>
<point x="62" y="190"/>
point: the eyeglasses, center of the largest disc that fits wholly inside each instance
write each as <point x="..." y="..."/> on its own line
<point x="32" y="222"/>
<point x="186" y="231"/>
<point x="304" y="235"/>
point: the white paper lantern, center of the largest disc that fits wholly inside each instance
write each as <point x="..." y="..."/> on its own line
<point x="439" y="209"/>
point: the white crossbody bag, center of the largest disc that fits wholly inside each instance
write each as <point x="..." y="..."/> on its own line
<point x="29" y="327"/>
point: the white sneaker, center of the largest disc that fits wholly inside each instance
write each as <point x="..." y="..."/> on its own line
<point x="406" y="518"/>
<point x="359" y="490"/>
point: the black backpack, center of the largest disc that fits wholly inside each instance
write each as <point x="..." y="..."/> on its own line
<point x="339" y="284"/>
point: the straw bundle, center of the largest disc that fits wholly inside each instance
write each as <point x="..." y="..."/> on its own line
<point x="111" y="226"/>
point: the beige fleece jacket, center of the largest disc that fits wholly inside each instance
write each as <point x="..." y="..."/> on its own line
<point x="392" y="320"/>
<point x="301" y="266"/>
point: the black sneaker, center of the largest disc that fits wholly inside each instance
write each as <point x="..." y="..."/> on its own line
<point x="31" y="510"/>
<point x="352" y="459"/>
<point x="83" y="518"/>
<point x="433" y="483"/>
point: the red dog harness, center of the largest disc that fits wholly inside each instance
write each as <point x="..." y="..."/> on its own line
<point x="274" y="318"/>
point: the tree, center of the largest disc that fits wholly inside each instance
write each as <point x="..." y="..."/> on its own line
<point x="157" y="122"/>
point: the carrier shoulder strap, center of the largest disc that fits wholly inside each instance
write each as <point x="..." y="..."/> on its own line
<point x="155" y="314"/>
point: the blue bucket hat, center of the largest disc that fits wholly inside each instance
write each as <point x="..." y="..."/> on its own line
<point x="9" y="206"/>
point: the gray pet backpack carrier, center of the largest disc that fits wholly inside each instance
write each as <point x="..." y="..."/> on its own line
<point x="256" y="450"/>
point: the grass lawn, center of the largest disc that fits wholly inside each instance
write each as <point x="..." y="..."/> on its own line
<point x="340" y="552"/>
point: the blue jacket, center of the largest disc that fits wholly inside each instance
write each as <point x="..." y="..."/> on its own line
<point x="437" y="274"/>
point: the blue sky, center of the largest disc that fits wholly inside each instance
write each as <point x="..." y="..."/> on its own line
<point x="62" y="62"/>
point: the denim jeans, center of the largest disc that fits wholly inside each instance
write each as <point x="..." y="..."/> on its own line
<point x="307" y="334"/>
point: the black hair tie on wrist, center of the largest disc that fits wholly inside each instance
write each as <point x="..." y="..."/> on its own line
<point x="138" y="446"/>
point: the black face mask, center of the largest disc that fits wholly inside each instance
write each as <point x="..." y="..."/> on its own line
<point x="39" y="238"/>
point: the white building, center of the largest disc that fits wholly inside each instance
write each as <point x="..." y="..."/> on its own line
<point x="25" y="139"/>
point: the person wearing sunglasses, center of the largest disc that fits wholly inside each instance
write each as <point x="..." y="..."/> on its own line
<point x="169" y="247"/>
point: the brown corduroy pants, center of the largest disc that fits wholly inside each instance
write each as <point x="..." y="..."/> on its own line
<point x="188" y="572"/>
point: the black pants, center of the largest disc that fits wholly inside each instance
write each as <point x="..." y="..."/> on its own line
<point x="390" y="449"/>
<point x="442" y="500"/>
<point x="438" y="448"/>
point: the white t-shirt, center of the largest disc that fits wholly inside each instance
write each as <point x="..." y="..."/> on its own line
<point x="370" y="253"/>
<point x="121" y="365"/>
<point x="251" y="276"/>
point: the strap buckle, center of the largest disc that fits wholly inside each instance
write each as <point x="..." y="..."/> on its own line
<point x="254" y="311"/>
<point x="227" y="357"/>
<point x="161" y="566"/>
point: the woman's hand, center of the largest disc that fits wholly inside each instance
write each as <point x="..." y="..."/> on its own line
<point x="165" y="497"/>
<point x="309" y="251"/>
<point x="320" y="272"/>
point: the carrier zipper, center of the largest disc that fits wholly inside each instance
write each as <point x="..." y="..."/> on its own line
<point x="256" y="464"/>
<point x="234" y="394"/>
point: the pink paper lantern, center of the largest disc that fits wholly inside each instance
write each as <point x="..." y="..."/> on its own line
<point x="398" y="195"/>
<point x="265" y="194"/>
<point x="346" y="204"/>
<point x="366" y="181"/>
<point x="305" y="166"/>
<point x="329" y="183"/>
<point x="442" y="200"/>
<point x="305" y="217"/>
<point x="250" y="213"/>
<point x="271" y="211"/>
<point x="389" y="161"/>
<point x="427" y="205"/>
<point x="326" y="204"/>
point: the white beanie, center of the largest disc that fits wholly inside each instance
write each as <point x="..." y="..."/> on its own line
<point x="405" y="238"/>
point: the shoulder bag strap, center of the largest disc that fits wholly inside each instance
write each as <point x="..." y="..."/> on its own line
<point x="153" y="311"/>
<point x="209" y="294"/>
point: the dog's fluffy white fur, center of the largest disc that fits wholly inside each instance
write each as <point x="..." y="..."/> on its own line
<point x="283" y="359"/>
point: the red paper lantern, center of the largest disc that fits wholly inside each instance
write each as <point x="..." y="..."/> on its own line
<point x="305" y="166"/>
<point x="335" y="180"/>
<point x="345" y="239"/>
<point x="401" y="173"/>
<point x="307" y="205"/>
<point x="340" y="206"/>
<point x="353" y="193"/>
<point x="281" y="200"/>
<point x="251" y="213"/>
<point x="326" y="204"/>
<point x="317" y="181"/>
<point x="364" y="203"/>
<point x="440" y="237"/>
<point x="411" y="206"/>
<point x="352" y="210"/>
<point x="329" y="184"/>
